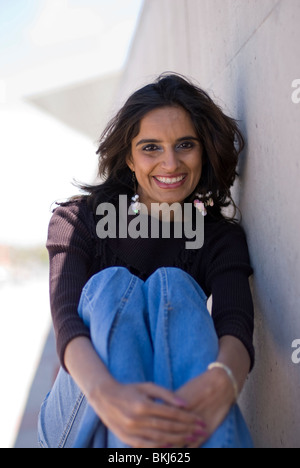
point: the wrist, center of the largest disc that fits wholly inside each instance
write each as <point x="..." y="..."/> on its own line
<point x="99" y="388"/>
<point x="228" y="378"/>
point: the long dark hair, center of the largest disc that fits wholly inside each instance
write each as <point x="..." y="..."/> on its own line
<point x="219" y="134"/>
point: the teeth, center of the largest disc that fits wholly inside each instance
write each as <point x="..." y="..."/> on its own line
<point x="169" y="181"/>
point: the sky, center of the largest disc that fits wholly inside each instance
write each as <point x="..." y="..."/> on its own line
<point x="47" y="45"/>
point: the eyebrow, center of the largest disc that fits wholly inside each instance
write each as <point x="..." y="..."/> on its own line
<point x="152" y="140"/>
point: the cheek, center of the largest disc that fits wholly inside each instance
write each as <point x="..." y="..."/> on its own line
<point x="145" y="168"/>
<point x="143" y="175"/>
<point x="197" y="166"/>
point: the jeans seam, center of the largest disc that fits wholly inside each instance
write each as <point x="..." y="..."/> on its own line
<point x="87" y="302"/>
<point x="167" y="309"/>
<point x="70" y="423"/>
<point x="123" y="302"/>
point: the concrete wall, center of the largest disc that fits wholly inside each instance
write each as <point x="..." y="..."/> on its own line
<point x="246" y="54"/>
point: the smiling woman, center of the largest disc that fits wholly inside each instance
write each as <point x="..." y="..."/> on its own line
<point x="144" y="364"/>
<point x="207" y="132"/>
<point x="166" y="156"/>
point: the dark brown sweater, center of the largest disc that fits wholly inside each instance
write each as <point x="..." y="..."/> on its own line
<point x="221" y="267"/>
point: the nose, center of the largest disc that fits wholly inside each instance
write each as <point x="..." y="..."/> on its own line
<point x="170" y="161"/>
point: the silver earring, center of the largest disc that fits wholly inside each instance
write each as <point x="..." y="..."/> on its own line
<point x="135" y="205"/>
<point x="203" y="201"/>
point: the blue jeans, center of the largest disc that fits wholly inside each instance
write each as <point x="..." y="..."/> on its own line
<point x="160" y="331"/>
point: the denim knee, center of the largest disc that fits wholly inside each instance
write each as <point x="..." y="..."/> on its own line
<point x="105" y="299"/>
<point x="175" y="277"/>
<point x="106" y="287"/>
<point x="105" y="278"/>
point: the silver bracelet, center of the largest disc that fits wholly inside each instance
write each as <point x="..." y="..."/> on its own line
<point x="219" y="365"/>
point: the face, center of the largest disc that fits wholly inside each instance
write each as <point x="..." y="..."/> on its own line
<point x="166" y="156"/>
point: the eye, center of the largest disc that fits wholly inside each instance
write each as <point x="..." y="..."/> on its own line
<point x="150" y="148"/>
<point x="186" y="145"/>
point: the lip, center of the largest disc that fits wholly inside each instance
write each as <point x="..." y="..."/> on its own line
<point x="170" y="186"/>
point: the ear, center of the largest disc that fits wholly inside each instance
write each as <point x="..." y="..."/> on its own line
<point x="129" y="162"/>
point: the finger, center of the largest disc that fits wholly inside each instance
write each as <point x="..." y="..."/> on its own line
<point x="163" y="438"/>
<point x="171" y="432"/>
<point x="146" y="439"/>
<point x="168" y="426"/>
<point x="197" y="441"/>
<point x="175" y="408"/>
<point x="157" y="392"/>
<point x="145" y="443"/>
<point x="138" y="441"/>
<point x="172" y="415"/>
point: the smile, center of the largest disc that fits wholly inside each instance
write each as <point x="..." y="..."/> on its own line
<point x="168" y="180"/>
<point x="171" y="182"/>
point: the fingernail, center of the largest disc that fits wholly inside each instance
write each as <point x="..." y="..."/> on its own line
<point x="191" y="439"/>
<point x="200" y="433"/>
<point x="201" y="423"/>
<point x="180" y="402"/>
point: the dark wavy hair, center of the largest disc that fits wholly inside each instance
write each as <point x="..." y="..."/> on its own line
<point x="219" y="134"/>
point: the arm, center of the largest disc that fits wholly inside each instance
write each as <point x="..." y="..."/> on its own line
<point x="130" y="411"/>
<point x="212" y="394"/>
<point x="234" y="355"/>
<point x="85" y="367"/>
<point x="92" y="376"/>
<point x="71" y="254"/>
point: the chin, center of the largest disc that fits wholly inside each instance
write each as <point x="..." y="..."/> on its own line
<point x="170" y="201"/>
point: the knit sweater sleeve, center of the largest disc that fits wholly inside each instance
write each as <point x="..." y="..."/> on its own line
<point x="70" y="251"/>
<point x="227" y="279"/>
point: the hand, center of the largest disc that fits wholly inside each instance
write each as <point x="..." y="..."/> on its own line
<point x="210" y="396"/>
<point x="133" y="415"/>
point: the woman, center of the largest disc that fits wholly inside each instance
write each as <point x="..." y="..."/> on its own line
<point x="143" y="362"/>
